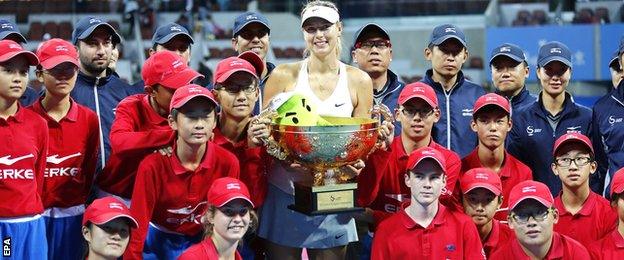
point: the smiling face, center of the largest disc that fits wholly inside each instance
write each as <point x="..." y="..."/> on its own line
<point x="321" y="36"/>
<point x="426" y="182"/>
<point x="481" y="204"/>
<point x="109" y="240"/>
<point x="491" y="124"/>
<point x="574" y="175"/>
<point x="232" y="221"/>
<point x="237" y="96"/>
<point x="417" y="118"/>
<point x="13" y="78"/>
<point x="447" y="58"/>
<point x="554" y="77"/>
<point x="60" y="80"/>
<point x="253" y="37"/>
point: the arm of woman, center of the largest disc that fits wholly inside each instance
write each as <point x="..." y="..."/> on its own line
<point x="361" y="89"/>
<point x="282" y="79"/>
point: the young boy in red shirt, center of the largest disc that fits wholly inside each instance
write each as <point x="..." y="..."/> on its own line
<point x="611" y="246"/>
<point x="426" y="229"/>
<point x="140" y="126"/>
<point x="491" y="120"/>
<point x="531" y="217"/>
<point x="482" y="196"/>
<point x="583" y="215"/>
<point x="169" y="196"/>
<point x="72" y="150"/>
<point x="23" y="150"/>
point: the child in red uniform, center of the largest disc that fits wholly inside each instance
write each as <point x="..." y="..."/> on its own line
<point x="169" y="194"/>
<point x="140" y="125"/>
<point x="426" y="229"/>
<point x="23" y="150"/>
<point x="611" y="246"/>
<point x="72" y="151"/>
<point x="482" y="196"/>
<point x="583" y="214"/>
<point x="106" y="229"/>
<point x="229" y="216"/>
<point x="532" y="217"/>
<point x="491" y="120"/>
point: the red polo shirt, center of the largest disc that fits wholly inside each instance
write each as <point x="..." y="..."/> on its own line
<point x="609" y="247"/>
<point x="450" y="235"/>
<point x="511" y="173"/>
<point x="562" y="247"/>
<point x="172" y="197"/>
<point x="382" y="181"/>
<point x="499" y="235"/>
<point x="595" y="220"/>
<point x="23" y="150"/>
<point x="136" y="132"/>
<point x="204" y="250"/>
<point x="72" y="156"/>
<point x="252" y="165"/>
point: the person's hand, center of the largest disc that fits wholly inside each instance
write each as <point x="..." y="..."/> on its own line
<point x="386" y="134"/>
<point x="257" y="131"/>
<point x="295" y="167"/>
<point x="166" y="151"/>
<point x="353" y="169"/>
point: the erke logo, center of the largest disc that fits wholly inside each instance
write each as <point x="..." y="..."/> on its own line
<point x="491" y="99"/>
<point x="249" y="17"/>
<point x="95" y="20"/>
<point x="6" y="247"/>
<point x="6" y="25"/>
<point x="482" y="176"/>
<point x="555" y="50"/>
<point x="235" y="63"/>
<point x="61" y="48"/>
<point x="505" y="49"/>
<point x="428" y="153"/>
<point x="450" y="30"/>
<point x="574" y="129"/>
<point x="233" y="186"/>
<point x="175" y="28"/>
<point x="613" y="120"/>
<point x="529" y="189"/>
<point x="177" y="63"/>
<point x="194" y="89"/>
<point x="419" y="89"/>
<point x="467" y="112"/>
<point x="115" y="205"/>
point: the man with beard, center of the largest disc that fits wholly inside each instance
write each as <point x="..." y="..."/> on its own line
<point x="96" y="87"/>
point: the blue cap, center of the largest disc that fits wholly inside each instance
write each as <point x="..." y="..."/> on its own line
<point x="166" y="32"/>
<point x="249" y="17"/>
<point x="368" y="27"/>
<point x="86" y="26"/>
<point x="554" y="51"/>
<point x="8" y="28"/>
<point x="510" y="50"/>
<point x="444" y="32"/>
<point x="615" y="61"/>
<point x="621" y="48"/>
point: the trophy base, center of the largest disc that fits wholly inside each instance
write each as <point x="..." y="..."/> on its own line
<point x="322" y="200"/>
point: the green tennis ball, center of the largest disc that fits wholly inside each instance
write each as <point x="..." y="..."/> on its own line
<point x="297" y="110"/>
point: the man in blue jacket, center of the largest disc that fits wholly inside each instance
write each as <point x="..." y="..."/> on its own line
<point x="509" y="72"/>
<point x="9" y="31"/>
<point x="447" y="51"/>
<point x="372" y="52"/>
<point x="608" y="120"/>
<point x="537" y="126"/>
<point x="96" y="87"/>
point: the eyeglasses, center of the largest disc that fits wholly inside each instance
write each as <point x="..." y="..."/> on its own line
<point x="248" y="90"/>
<point x="313" y="29"/>
<point x="524" y="217"/>
<point x="251" y="34"/>
<point x="367" y="45"/>
<point x="422" y="113"/>
<point x="579" y="161"/>
<point x="232" y="212"/>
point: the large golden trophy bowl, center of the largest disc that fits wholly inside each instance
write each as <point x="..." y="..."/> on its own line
<point x="325" y="150"/>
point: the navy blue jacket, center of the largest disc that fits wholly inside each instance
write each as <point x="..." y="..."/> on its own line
<point x="110" y="90"/>
<point x="532" y="138"/>
<point x="453" y="130"/>
<point x="29" y="97"/>
<point x="389" y="96"/>
<point x="608" y="119"/>
<point x="270" y="67"/>
<point x="523" y="99"/>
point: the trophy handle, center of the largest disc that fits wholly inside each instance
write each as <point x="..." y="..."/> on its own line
<point x="382" y="113"/>
<point x="271" y="145"/>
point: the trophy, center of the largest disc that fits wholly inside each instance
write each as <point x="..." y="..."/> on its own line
<point x="325" y="149"/>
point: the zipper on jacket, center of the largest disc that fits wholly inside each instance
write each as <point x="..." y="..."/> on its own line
<point x="97" y="111"/>
<point x="448" y="114"/>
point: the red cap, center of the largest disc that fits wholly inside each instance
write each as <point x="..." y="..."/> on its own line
<point x="617" y="183"/>
<point x="226" y="189"/>
<point x="492" y="99"/>
<point x="424" y="153"/>
<point x="168" y="69"/>
<point x="419" y="90"/>
<point x="572" y="137"/>
<point x="247" y="61"/>
<point x="106" y="209"/>
<point x="530" y="190"/>
<point x="10" y="49"/>
<point x="188" y="92"/>
<point x="481" y="178"/>
<point x="56" y="51"/>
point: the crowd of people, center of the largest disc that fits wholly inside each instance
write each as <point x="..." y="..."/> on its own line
<point x="167" y="169"/>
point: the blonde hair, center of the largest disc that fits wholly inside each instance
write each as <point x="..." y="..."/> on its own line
<point x="209" y="226"/>
<point x="306" y="51"/>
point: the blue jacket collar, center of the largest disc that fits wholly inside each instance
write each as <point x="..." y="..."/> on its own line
<point x="569" y="106"/>
<point x="437" y="86"/>
<point x="91" y="80"/>
<point x="392" y="84"/>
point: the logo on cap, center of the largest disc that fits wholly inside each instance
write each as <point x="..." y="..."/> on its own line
<point x="61" y="48"/>
<point x="250" y="17"/>
<point x="529" y="189"/>
<point x="236" y="63"/>
<point x="555" y="50"/>
<point x="177" y="63"/>
<point x="232" y="186"/>
<point x="491" y="99"/>
<point x="449" y="30"/>
<point x="418" y="89"/>
<point x="115" y="205"/>
<point x="482" y="176"/>
<point x="194" y="89"/>
<point x="94" y="20"/>
<point x="505" y="49"/>
<point x="7" y="25"/>
<point x="14" y="46"/>
<point x="428" y="152"/>
<point x="175" y="28"/>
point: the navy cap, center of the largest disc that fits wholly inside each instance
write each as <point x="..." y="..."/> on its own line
<point x="510" y="50"/>
<point x="615" y="61"/>
<point x="166" y="32"/>
<point x="249" y="17"/>
<point x="8" y="28"/>
<point x="367" y="27"/>
<point x="554" y="51"/>
<point x="621" y="48"/>
<point x="444" y="32"/>
<point x="86" y="26"/>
